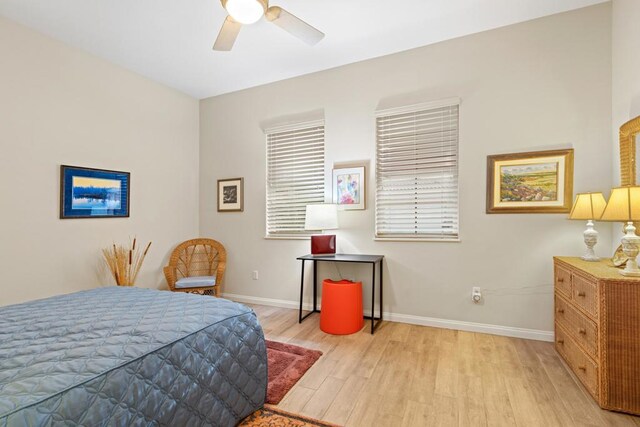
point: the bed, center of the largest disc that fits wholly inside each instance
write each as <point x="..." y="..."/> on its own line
<point x="130" y="357"/>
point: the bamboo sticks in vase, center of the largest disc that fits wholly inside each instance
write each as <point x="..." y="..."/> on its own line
<point x="124" y="262"/>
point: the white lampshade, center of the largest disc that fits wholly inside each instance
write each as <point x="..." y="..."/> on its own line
<point x="321" y="217"/>
<point x="623" y="205"/>
<point x="245" y="11"/>
<point x="588" y="206"/>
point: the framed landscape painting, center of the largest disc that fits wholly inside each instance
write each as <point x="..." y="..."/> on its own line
<point x="231" y="195"/>
<point x="534" y="182"/>
<point x="349" y="188"/>
<point x="93" y="193"/>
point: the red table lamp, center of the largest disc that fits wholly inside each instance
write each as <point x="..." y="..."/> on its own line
<point x="322" y="217"/>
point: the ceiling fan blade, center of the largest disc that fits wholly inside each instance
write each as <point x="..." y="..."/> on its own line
<point x="227" y="35"/>
<point x="294" y="25"/>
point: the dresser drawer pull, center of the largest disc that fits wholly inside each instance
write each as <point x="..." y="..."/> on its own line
<point x="581" y="294"/>
<point x="560" y="279"/>
<point x="582" y="331"/>
<point x="561" y="310"/>
<point x="582" y="368"/>
<point x="560" y="341"/>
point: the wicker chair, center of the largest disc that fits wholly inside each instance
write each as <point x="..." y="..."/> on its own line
<point x="197" y="258"/>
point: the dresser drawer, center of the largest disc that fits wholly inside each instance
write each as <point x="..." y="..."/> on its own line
<point x="585" y="295"/>
<point x="582" y="365"/>
<point x="582" y="329"/>
<point x="562" y="281"/>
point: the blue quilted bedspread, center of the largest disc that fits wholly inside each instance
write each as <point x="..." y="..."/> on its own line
<point x="130" y="357"/>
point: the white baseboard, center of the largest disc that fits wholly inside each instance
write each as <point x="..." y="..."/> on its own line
<point x="507" y="331"/>
<point x="266" y="301"/>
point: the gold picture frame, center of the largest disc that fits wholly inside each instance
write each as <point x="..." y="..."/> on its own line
<point x="628" y="132"/>
<point x="531" y="182"/>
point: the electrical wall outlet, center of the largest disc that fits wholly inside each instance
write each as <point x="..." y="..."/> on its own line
<point x="254" y="275"/>
<point x="476" y="295"/>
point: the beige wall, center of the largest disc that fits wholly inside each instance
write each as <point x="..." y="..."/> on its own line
<point x="59" y="105"/>
<point x="626" y="69"/>
<point x="539" y="85"/>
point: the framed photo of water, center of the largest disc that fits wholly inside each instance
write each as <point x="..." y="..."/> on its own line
<point x="93" y="193"/>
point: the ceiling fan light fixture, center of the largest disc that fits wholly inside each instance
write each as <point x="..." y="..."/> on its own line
<point x="250" y="11"/>
<point x="246" y="11"/>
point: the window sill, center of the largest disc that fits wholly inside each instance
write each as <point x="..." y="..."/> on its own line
<point x="287" y="237"/>
<point x="414" y="239"/>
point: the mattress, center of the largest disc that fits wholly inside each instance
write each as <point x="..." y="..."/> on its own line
<point x="130" y="357"/>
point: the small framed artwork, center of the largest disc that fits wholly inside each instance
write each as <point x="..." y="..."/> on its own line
<point x="93" y="193"/>
<point x="534" y="182"/>
<point x="231" y="195"/>
<point x="349" y="188"/>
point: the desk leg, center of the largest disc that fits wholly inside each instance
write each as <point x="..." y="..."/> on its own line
<point x="315" y="292"/>
<point x="373" y="297"/>
<point x="381" y="274"/>
<point x="301" y="292"/>
<point x="315" y="285"/>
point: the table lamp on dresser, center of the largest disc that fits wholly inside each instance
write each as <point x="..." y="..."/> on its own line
<point x="322" y="217"/>
<point x="589" y="206"/>
<point x="624" y="205"/>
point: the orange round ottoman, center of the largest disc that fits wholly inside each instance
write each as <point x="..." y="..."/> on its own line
<point x="341" y="312"/>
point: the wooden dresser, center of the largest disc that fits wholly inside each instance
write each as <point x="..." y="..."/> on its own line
<point x="597" y="327"/>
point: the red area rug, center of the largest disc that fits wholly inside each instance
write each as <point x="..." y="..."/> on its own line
<point x="287" y="364"/>
<point x="270" y="416"/>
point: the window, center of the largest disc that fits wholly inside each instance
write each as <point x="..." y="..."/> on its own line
<point x="417" y="172"/>
<point x="295" y="176"/>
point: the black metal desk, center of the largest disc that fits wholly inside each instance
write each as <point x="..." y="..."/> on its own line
<point x="363" y="259"/>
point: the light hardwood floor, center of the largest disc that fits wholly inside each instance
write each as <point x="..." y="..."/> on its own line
<point x="407" y="375"/>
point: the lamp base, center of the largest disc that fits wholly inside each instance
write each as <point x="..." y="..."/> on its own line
<point x="323" y="244"/>
<point x="590" y="240"/>
<point x="630" y="247"/>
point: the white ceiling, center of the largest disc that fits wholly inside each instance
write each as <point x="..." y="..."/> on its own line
<point x="170" y="41"/>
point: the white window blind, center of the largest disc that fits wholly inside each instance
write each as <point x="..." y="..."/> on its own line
<point x="417" y="172"/>
<point x="295" y="176"/>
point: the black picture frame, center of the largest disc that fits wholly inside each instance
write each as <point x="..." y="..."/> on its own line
<point x="231" y="195"/>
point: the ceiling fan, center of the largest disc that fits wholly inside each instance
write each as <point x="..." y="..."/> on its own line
<point x="246" y="12"/>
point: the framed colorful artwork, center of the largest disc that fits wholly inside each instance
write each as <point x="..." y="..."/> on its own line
<point x="231" y="195"/>
<point x="534" y="182"/>
<point x="93" y="193"/>
<point x="349" y="190"/>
